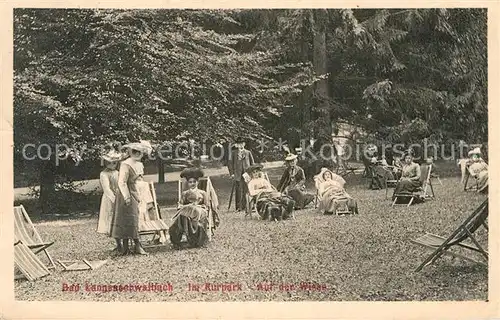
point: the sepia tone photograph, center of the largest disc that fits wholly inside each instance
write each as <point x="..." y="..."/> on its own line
<point x="176" y="155"/>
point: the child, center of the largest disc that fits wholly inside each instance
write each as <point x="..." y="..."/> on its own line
<point x="109" y="184"/>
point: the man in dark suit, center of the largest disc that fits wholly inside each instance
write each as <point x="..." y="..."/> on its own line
<point x="292" y="183"/>
<point x="239" y="161"/>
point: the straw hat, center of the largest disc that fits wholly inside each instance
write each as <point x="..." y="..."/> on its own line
<point x="143" y="146"/>
<point x="112" y="156"/>
<point x="291" y="157"/>
<point x="254" y="167"/>
<point x="475" y="151"/>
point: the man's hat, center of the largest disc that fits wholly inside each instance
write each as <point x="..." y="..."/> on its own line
<point x="239" y="139"/>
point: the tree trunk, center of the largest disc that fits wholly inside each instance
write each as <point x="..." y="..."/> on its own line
<point x="47" y="186"/>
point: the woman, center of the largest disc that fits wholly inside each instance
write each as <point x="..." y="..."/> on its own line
<point x="126" y="220"/>
<point x="478" y="169"/>
<point x="270" y="202"/>
<point x="331" y="192"/>
<point x="410" y="177"/>
<point x="293" y="181"/>
<point x="191" y="219"/>
<point x="109" y="184"/>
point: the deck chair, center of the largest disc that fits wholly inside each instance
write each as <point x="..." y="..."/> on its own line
<point x="204" y="184"/>
<point x="151" y="222"/>
<point x="474" y="186"/>
<point x="465" y="231"/>
<point x="342" y="209"/>
<point x="390" y="179"/>
<point x="251" y="202"/>
<point x="425" y="192"/>
<point x="27" y="263"/>
<point x="81" y="265"/>
<point x="25" y="231"/>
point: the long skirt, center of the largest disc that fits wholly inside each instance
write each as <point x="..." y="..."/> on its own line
<point x="406" y="186"/>
<point x="332" y="200"/>
<point x="301" y="197"/>
<point x="106" y="212"/>
<point x="126" y="219"/>
<point x="277" y="207"/>
<point x="482" y="181"/>
<point x="191" y="221"/>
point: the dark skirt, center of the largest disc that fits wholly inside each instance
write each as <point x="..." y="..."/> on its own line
<point x="125" y="223"/>
<point x="193" y="222"/>
<point x="300" y="197"/>
<point x="406" y="186"/>
<point x="275" y="207"/>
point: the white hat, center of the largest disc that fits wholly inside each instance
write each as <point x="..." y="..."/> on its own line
<point x="291" y="157"/>
<point x="474" y="151"/>
<point x="112" y="156"/>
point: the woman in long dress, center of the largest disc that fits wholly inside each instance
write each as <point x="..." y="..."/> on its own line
<point x="410" y="177"/>
<point x="126" y="220"/>
<point x="191" y="219"/>
<point x="109" y="184"/>
<point x="331" y="192"/>
<point x="478" y="169"/>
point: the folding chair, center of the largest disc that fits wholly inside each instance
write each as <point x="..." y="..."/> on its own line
<point x="468" y="175"/>
<point x="156" y="227"/>
<point x="81" y="265"/>
<point x="25" y="231"/>
<point x="422" y="192"/>
<point x="27" y="263"/>
<point x="251" y="202"/>
<point x="465" y="231"/>
<point x="204" y="184"/>
<point x="390" y="179"/>
<point x="342" y="209"/>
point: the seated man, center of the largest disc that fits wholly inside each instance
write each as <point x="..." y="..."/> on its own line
<point x="292" y="183"/>
<point x="270" y="202"/>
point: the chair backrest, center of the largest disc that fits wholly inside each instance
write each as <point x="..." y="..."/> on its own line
<point x="24" y="230"/>
<point x="472" y="223"/>
<point x="204" y="184"/>
<point x="425" y="173"/>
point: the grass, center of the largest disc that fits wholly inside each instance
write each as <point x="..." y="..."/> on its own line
<point x="363" y="257"/>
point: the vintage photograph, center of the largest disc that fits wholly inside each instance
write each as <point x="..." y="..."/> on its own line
<point x="165" y="155"/>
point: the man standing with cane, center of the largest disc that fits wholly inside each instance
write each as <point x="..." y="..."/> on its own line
<point x="239" y="161"/>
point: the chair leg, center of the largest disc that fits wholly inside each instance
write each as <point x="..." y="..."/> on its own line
<point x="411" y="201"/>
<point x="394" y="202"/>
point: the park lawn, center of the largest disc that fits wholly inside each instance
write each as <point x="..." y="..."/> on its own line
<point x="363" y="257"/>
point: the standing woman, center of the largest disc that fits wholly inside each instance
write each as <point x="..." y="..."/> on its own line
<point x="109" y="184"/>
<point x="126" y="220"/>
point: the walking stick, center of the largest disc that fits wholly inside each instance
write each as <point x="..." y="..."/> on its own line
<point x="231" y="196"/>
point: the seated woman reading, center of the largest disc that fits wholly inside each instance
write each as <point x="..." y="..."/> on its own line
<point x="331" y="192"/>
<point x="191" y="219"/>
<point x="270" y="202"/>
<point x="410" y="177"/>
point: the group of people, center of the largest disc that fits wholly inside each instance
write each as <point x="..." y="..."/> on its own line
<point x="290" y="193"/>
<point x="127" y="201"/>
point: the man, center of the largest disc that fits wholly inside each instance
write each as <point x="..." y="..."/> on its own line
<point x="293" y="181"/>
<point x="239" y="161"/>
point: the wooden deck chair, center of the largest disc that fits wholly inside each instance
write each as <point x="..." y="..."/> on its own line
<point x="390" y="179"/>
<point x="25" y="231"/>
<point x="251" y="202"/>
<point x="81" y="265"/>
<point x="152" y="225"/>
<point x="421" y="193"/>
<point x="342" y="209"/>
<point x="465" y="231"/>
<point x="467" y="186"/>
<point x="205" y="184"/>
<point x="27" y="263"/>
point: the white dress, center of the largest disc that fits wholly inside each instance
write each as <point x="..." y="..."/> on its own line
<point x="109" y="184"/>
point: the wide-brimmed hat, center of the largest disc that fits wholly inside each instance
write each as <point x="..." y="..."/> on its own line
<point x="475" y="151"/>
<point x="112" y="156"/>
<point x="254" y="167"/>
<point x="190" y="173"/>
<point x="143" y="146"/>
<point x="291" y="157"/>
